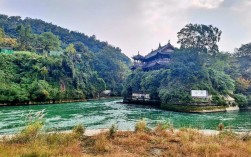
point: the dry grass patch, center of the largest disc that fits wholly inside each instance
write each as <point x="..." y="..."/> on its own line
<point x="187" y="142"/>
<point x="159" y="142"/>
<point x="141" y="126"/>
<point x="32" y="143"/>
<point x="43" y="145"/>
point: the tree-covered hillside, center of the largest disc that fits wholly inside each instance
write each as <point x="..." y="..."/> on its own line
<point x="59" y="63"/>
<point x="9" y="24"/>
<point x="26" y="76"/>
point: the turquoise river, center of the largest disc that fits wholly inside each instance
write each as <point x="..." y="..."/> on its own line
<point x="98" y="114"/>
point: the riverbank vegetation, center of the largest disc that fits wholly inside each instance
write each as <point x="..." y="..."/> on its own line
<point x="53" y="64"/>
<point x="197" y="65"/>
<point x="163" y="140"/>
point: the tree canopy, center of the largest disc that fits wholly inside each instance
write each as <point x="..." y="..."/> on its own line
<point x="49" y="41"/>
<point x="244" y="51"/>
<point x="200" y="37"/>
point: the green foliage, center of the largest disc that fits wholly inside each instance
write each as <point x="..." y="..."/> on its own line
<point x="200" y="37"/>
<point x="70" y="49"/>
<point x="218" y="100"/>
<point x="34" y="124"/>
<point x="221" y="82"/>
<point x="2" y="35"/>
<point x="80" y="47"/>
<point x="111" y="67"/>
<point x="48" y="41"/>
<point x="244" y="51"/>
<point x="25" y="38"/>
<point x="243" y="56"/>
<point x="189" y="70"/>
<point x="241" y="99"/>
<point x="66" y="36"/>
<point x="26" y="76"/>
<point x="95" y="67"/>
<point x="40" y="90"/>
<point x="31" y="131"/>
<point x="249" y="100"/>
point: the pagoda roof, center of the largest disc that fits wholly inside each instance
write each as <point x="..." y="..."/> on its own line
<point x="168" y="46"/>
<point x="138" y="57"/>
<point x="155" y="63"/>
<point x="167" y="49"/>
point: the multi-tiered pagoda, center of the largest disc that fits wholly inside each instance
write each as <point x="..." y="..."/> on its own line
<point x="155" y="60"/>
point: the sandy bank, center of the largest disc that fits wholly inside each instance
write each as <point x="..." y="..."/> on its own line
<point x="98" y="131"/>
<point x="87" y="133"/>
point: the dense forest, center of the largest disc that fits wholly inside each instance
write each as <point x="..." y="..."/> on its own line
<point x="83" y="68"/>
<point x="197" y="65"/>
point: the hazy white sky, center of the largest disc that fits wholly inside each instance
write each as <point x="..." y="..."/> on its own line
<point x="140" y="25"/>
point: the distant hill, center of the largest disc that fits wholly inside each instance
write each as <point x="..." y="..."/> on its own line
<point x="10" y="23"/>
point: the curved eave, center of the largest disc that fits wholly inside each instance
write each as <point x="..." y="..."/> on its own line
<point x="168" y="47"/>
<point x="138" y="57"/>
<point x="147" y="58"/>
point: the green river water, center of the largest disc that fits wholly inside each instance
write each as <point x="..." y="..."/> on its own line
<point x="99" y="114"/>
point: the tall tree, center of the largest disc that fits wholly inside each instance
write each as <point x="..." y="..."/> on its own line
<point x="49" y="41"/>
<point x="80" y="47"/>
<point x="25" y="37"/>
<point x="244" y="51"/>
<point x="201" y="37"/>
<point x="1" y="34"/>
<point x="243" y="56"/>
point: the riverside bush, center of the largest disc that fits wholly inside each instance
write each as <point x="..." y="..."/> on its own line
<point x="113" y="129"/>
<point x="34" y="124"/>
<point x="241" y="99"/>
<point x="79" y="130"/>
<point x="221" y="127"/>
<point x="29" y="133"/>
<point x="141" y="126"/>
<point x="164" y="126"/>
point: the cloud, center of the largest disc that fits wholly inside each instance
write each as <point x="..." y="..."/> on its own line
<point x="162" y="20"/>
<point x="208" y="4"/>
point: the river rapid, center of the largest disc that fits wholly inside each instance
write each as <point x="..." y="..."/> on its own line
<point x="98" y="114"/>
